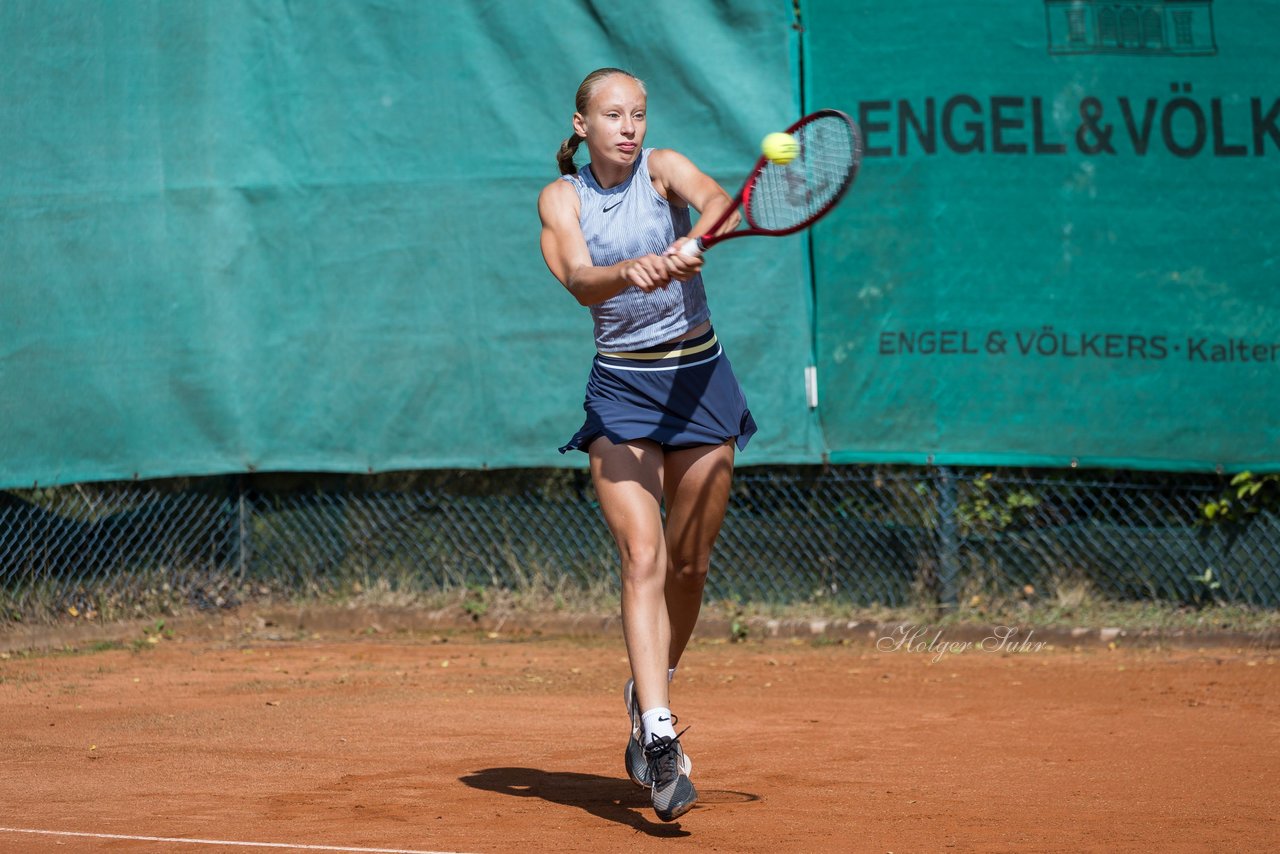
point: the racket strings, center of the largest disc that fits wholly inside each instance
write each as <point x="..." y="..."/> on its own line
<point x="785" y="196"/>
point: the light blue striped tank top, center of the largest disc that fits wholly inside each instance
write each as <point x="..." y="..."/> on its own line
<point x="628" y="221"/>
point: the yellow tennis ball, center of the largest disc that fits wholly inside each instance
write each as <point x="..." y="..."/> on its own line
<point x="780" y="148"/>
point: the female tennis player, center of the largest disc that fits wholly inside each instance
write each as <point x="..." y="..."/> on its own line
<point x="664" y="412"/>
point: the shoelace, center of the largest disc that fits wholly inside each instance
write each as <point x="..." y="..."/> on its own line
<point x="661" y="753"/>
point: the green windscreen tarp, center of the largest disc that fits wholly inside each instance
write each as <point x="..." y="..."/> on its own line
<point x="242" y="235"/>
<point x="1064" y="245"/>
<point x="257" y="235"/>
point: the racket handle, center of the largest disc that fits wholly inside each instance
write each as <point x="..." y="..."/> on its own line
<point x="692" y="248"/>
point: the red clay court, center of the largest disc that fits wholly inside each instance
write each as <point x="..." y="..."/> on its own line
<point x="467" y="742"/>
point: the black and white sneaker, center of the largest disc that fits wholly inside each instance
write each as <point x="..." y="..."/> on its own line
<point x="637" y="764"/>
<point x="673" y="792"/>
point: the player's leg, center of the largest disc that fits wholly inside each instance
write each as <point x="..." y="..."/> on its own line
<point x="696" y="482"/>
<point x="696" y="491"/>
<point x="628" y="481"/>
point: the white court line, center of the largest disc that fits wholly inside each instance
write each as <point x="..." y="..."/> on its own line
<point x="287" y="845"/>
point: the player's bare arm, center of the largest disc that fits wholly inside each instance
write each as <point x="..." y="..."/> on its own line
<point x="683" y="182"/>
<point x="565" y="251"/>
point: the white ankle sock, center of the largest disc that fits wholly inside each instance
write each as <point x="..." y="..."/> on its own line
<point x="657" y="724"/>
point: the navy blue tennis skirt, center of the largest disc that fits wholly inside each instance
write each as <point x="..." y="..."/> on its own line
<point x="679" y="394"/>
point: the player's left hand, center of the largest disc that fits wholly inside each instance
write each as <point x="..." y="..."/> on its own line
<point x="682" y="267"/>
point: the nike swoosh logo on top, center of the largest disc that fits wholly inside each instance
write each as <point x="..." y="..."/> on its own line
<point x="663" y="720"/>
<point x="612" y="206"/>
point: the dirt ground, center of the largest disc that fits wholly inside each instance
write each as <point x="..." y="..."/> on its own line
<point x="474" y="741"/>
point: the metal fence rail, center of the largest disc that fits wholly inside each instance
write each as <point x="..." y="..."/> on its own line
<point x="857" y="535"/>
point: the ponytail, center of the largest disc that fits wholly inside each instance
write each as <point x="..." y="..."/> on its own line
<point x="564" y="156"/>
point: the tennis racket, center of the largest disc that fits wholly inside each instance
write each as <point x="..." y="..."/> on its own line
<point x="782" y="198"/>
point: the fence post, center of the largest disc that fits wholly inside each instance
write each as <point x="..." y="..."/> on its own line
<point x="242" y="540"/>
<point x="948" y="540"/>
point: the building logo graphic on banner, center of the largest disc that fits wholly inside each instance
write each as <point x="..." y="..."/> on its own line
<point x="1175" y="27"/>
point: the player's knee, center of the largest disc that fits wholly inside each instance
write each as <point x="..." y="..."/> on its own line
<point x="691" y="570"/>
<point x="642" y="562"/>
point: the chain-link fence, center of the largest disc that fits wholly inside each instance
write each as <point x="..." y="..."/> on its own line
<point x="857" y="535"/>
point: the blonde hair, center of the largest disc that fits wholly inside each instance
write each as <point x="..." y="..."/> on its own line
<point x="568" y="148"/>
